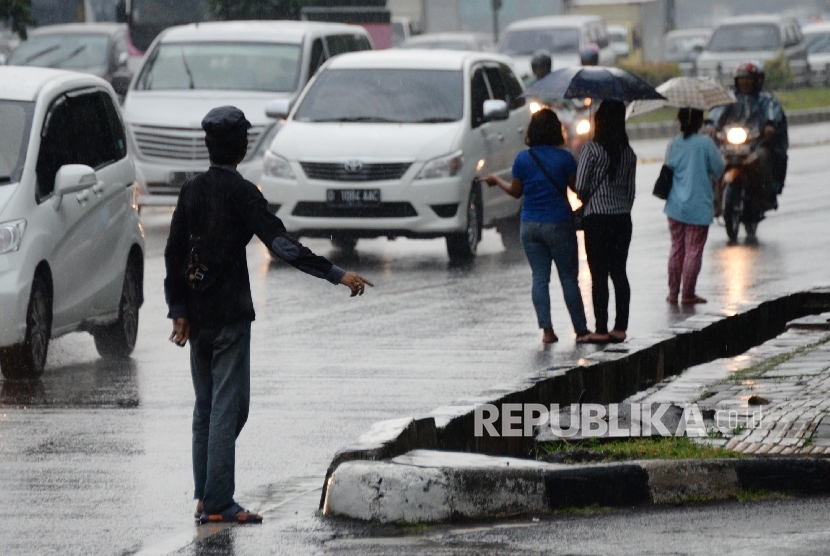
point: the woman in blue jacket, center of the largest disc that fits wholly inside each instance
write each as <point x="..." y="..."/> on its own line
<point x="696" y="162"/>
<point x="543" y="174"/>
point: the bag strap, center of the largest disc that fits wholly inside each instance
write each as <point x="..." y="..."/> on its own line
<point x="547" y="175"/>
<point x="668" y="151"/>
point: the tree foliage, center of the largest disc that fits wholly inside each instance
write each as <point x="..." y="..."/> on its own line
<point x="256" y="9"/>
<point x="16" y="14"/>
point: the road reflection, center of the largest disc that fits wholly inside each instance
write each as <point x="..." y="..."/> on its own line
<point x="102" y="383"/>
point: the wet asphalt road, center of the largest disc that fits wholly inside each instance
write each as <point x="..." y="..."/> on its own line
<point x="95" y="457"/>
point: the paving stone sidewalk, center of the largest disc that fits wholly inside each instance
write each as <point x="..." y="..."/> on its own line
<point x="772" y="400"/>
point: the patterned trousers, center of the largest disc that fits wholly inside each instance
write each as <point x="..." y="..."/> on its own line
<point x="686" y="257"/>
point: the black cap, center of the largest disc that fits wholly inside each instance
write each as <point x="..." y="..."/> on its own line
<point x="225" y="121"/>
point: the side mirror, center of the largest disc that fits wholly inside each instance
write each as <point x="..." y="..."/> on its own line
<point x="73" y="178"/>
<point x="121" y="83"/>
<point x="278" y="108"/>
<point x="495" y="110"/>
<point x="122" y="59"/>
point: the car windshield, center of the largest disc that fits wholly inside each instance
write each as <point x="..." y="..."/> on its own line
<point x="745" y="38"/>
<point x="268" y="67"/>
<point x="69" y="50"/>
<point x="445" y="45"/>
<point x="818" y="43"/>
<point x="527" y="41"/>
<point x="17" y="122"/>
<point x="384" y="95"/>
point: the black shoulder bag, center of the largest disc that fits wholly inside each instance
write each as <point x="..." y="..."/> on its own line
<point x="578" y="213"/>
<point x="662" y="187"/>
<point x="204" y="263"/>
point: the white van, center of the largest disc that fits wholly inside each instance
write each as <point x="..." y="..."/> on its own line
<point x="192" y="68"/>
<point x="390" y="143"/>
<point x="71" y="247"/>
<point x="563" y="36"/>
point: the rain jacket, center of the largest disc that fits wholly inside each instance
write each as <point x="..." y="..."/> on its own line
<point x="757" y="111"/>
<point x="226" y="211"/>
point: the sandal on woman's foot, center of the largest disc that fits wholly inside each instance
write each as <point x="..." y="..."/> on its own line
<point x="549" y="338"/>
<point x="599" y="338"/>
<point x="692" y="300"/>
<point x="617" y="336"/>
<point x="199" y="507"/>
<point x="584" y="338"/>
<point x="234" y="514"/>
<point x="672" y="300"/>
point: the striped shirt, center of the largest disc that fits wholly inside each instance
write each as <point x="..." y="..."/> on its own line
<point x="606" y="195"/>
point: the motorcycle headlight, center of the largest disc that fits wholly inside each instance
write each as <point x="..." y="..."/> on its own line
<point x="534" y="107"/>
<point x="583" y="127"/>
<point x="737" y="136"/>
<point x="11" y="234"/>
<point x="442" y="167"/>
<point x="275" y="166"/>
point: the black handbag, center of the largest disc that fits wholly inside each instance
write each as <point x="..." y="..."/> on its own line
<point x="662" y="186"/>
<point x="579" y="213"/>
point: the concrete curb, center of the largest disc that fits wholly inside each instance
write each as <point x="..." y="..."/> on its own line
<point x="664" y="130"/>
<point x="604" y="377"/>
<point x="427" y="486"/>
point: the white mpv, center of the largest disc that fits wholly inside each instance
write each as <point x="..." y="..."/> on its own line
<point x="391" y="143"/>
<point x="71" y="247"/>
<point x="192" y="68"/>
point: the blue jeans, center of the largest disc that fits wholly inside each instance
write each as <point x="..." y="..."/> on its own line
<point x="220" y="364"/>
<point x="545" y="243"/>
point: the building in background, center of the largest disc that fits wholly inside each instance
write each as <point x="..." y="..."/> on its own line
<point x="647" y="22"/>
<point x="706" y="13"/>
<point x="444" y="16"/>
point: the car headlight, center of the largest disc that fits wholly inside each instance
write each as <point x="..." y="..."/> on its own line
<point x="583" y="127"/>
<point x="275" y="166"/>
<point x="736" y="136"/>
<point x="442" y="167"/>
<point x="11" y="234"/>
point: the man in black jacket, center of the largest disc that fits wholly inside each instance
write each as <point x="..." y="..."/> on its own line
<point x="208" y="294"/>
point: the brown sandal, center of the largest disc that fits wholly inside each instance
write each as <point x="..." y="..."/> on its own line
<point x="692" y="300"/>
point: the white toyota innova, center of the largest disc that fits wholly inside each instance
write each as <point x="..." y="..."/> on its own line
<point x="391" y="143"/>
<point x="190" y="69"/>
<point x="71" y="247"/>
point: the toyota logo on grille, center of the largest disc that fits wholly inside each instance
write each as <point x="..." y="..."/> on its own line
<point x="353" y="166"/>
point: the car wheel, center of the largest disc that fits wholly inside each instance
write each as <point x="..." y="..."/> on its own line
<point x="510" y="231"/>
<point x="28" y="359"/>
<point x="118" y="340"/>
<point x="462" y="246"/>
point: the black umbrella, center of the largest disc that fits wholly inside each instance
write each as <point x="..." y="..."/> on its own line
<point x="596" y="82"/>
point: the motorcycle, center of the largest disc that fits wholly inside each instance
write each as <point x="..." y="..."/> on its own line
<point x="739" y="195"/>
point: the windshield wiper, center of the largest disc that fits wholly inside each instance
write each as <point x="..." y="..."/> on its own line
<point x="187" y="69"/>
<point x="361" y="119"/>
<point x="57" y="63"/>
<point x="435" y="120"/>
<point x="37" y="55"/>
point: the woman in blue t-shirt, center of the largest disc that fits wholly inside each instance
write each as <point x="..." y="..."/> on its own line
<point x="543" y="173"/>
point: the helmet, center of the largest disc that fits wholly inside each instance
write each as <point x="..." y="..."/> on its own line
<point x="753" y="70"/>
<point x="541" y="64"/>
<point x="589" y="56"/>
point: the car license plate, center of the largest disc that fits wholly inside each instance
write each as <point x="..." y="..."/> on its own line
<point x="353" y="197"/>
<point x="177" y="179"/>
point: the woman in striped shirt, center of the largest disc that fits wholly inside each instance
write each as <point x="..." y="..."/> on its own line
<point x="605" y="185"/>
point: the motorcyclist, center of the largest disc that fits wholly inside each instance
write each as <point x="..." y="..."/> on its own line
<point x="757" y="109"/>
<point x="541" y="64"/>
<point x="589" y="56"/>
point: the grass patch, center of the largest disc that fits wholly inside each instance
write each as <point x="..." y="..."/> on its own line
<point x="760" y="495"/>
<point x="803" y="99"/>
<point x="679" y="447"/>
<point x="798" y="99"/>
